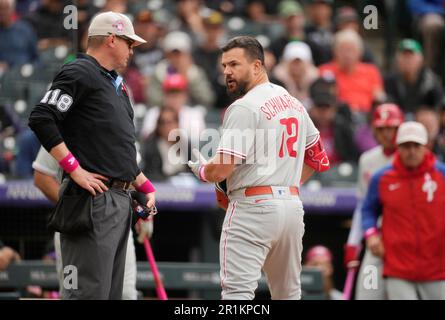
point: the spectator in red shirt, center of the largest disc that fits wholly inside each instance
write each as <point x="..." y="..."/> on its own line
<point x="359" y="84"/>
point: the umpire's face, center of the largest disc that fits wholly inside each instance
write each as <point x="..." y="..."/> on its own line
<point x="123" y="50"/>
<point x="239" y="71"/>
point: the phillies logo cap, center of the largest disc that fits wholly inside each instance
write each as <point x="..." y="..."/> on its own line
<point x="106" y="23"/>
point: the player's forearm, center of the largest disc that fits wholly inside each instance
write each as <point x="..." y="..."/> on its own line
<point x="48" y="185"/>
<point x="214" y="172"/>
<point x="219" y="168"/>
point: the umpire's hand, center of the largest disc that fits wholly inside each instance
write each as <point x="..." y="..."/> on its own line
<point x="89" y="181"/>
<point x="151" y="199"/>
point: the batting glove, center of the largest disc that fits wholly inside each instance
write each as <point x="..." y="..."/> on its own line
<point x="198" y="166"/>
<point x="144" y="229"/>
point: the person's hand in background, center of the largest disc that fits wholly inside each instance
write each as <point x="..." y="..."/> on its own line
<point x="7" y="256"/>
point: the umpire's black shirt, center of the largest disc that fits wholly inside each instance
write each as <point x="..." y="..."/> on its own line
<point x="88" y="108"/>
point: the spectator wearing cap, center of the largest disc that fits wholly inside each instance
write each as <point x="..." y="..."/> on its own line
<point x="176" y="96"/>
<point x="320" y="257"/>
<point x="429" y="18"/>
<point x="145" y="57"/>
<point x="293" y="20"/>
<point x="258" y="21"/>
<point x="296" y="70"/>
<point x="18" y="41"/>
<point x="430" y="119"/>
<point x="359" y="84"/>
<point x="320" y="30"/>
<point x="189" y="18"/>
<point x="48" y="24"/>
<point x="148" y="54"/>
<point x="207" y="55"/>
<point x="334" y="121"/>
<point x="412" y="84"/>
<point x="347" y="18"/>
<point x="177" y="47"/>
<point x="410" y="196"/>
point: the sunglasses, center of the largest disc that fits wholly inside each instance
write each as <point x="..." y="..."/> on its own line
<point x="129" y="41"/>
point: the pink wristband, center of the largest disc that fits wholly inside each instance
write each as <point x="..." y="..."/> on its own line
<point x="202" y="175"/>
<point x="370" y="232"/>
<point x="146" y="187"/>
<point x="69" y="163"/>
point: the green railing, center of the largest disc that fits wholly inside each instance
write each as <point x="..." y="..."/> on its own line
<point x="200" y="277"/>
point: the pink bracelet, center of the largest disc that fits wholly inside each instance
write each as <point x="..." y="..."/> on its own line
<point x="202" y="175"/>
<point x="146" y="187"/>
<point x="370" y="232"/>
<point x="69" y="163"/>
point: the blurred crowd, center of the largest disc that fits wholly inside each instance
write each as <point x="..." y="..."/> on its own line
<point x="317" y="49"/>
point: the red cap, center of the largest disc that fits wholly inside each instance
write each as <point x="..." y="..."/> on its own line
<point x="387" y="115"/>
<point x="175" y="82"/>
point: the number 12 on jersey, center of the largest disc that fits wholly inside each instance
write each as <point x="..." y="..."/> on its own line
<point x="290" y="135"/>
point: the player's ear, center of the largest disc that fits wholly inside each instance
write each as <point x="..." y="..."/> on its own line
<point x="258" y="66"/>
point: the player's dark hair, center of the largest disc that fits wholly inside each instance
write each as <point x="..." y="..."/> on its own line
<point x="251" y="47"/>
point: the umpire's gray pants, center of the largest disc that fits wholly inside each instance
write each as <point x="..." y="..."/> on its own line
<point x="94" y="261"/>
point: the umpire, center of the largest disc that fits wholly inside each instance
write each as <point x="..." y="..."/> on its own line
<point x="85" y="121"/>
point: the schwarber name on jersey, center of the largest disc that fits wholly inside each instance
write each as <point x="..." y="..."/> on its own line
<point x="271" y="132"/>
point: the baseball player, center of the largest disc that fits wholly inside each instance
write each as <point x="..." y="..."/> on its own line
<point x="268" y="147"/>
<point x="47" y="177"/>
<point x="386" y="119"/>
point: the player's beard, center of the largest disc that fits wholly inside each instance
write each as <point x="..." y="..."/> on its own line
<point x="238" y="91"/>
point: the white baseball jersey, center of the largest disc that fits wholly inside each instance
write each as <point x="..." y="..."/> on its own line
<point x="269" y="130"/>
<point x="46" y="164"/>
<point x="369" y="162"/>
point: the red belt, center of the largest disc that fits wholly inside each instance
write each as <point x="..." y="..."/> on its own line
<point x="260" y="190"/>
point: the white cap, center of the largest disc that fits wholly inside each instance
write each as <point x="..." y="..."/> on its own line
<point x="297" y="50"/>
<point x="412" y="131"/>
<point x="177" y="40"/>
<point x="104" y="24"/>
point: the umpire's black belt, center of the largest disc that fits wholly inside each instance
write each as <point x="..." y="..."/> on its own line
<point x="118" y="184"/>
